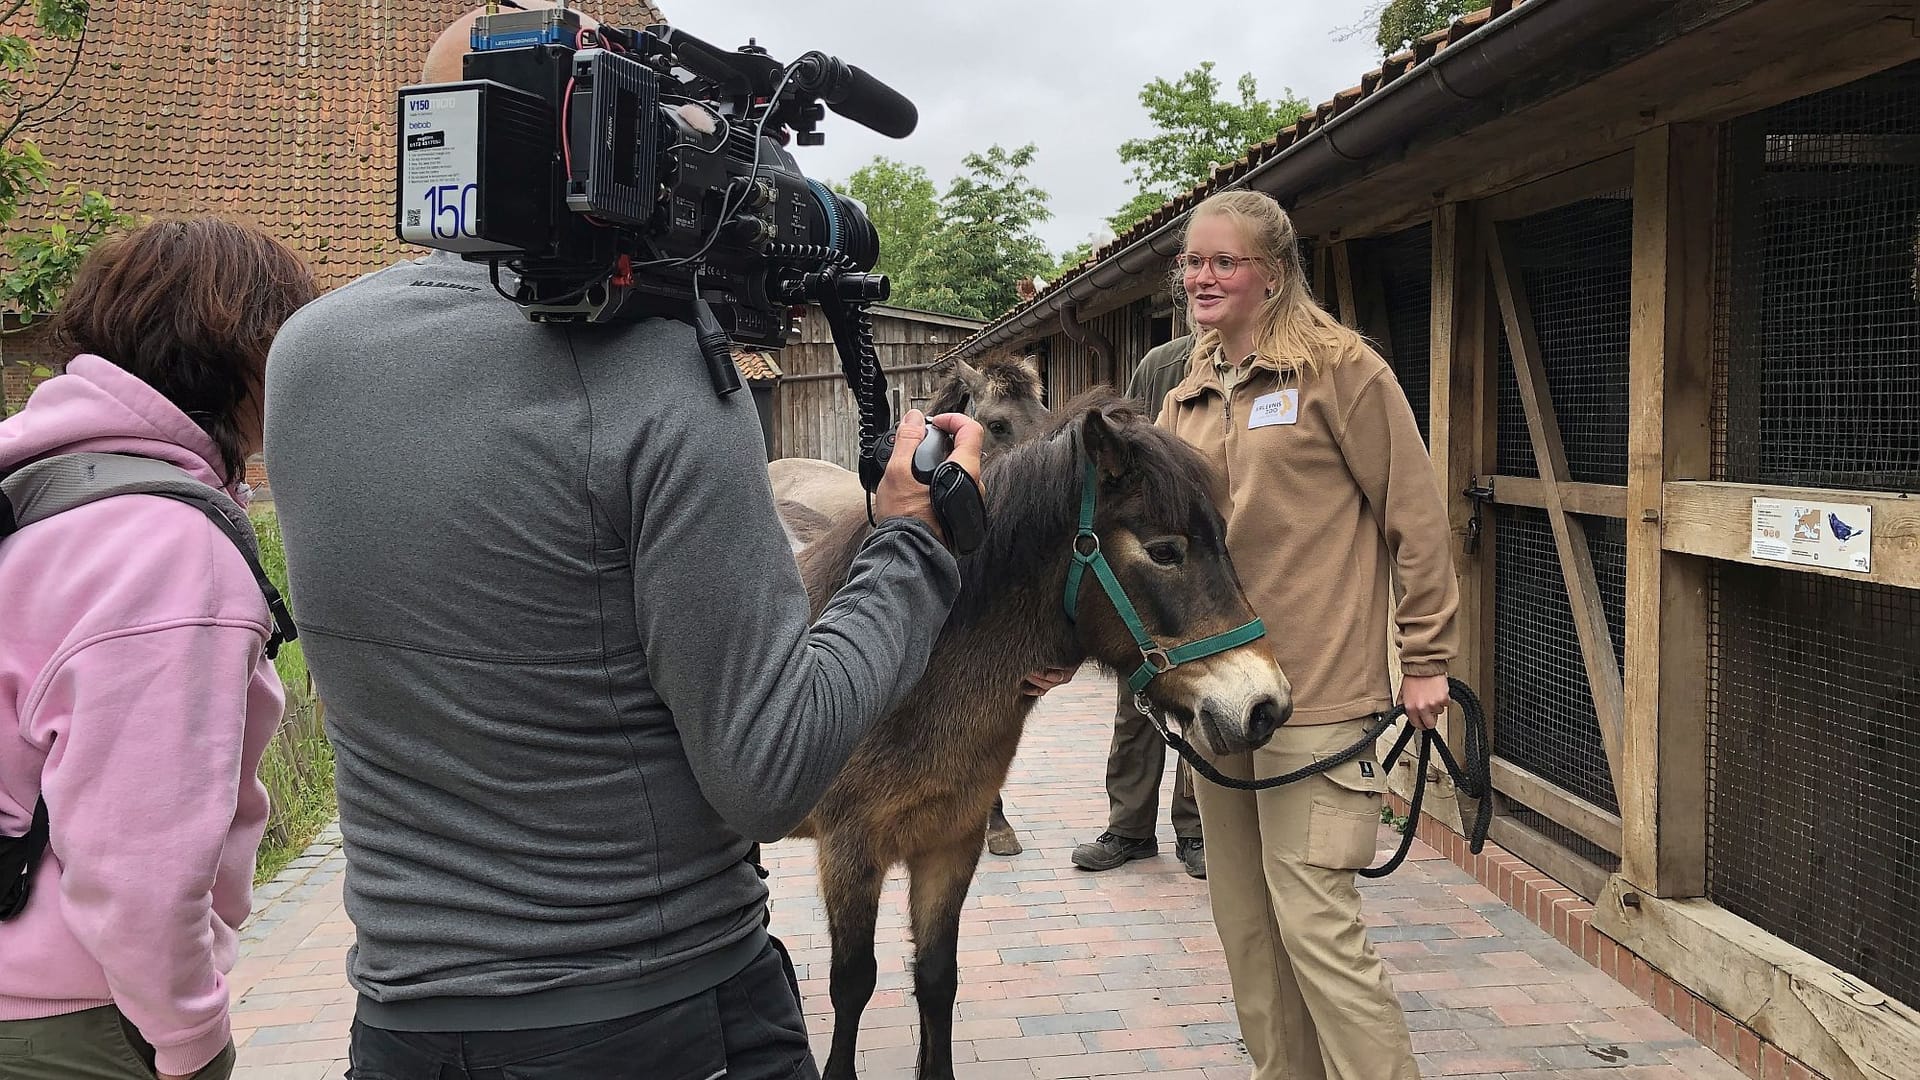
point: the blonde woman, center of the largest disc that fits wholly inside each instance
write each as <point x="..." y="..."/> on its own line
<point x="1329" y="494"/>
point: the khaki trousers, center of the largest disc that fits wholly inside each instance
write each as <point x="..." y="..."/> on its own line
<point x="93" y="1044"/>
<point x="1134" y="766"/>
<point x="1313" y="997"/>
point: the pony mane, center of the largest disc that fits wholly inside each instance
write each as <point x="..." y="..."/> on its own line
<point x="1034" y="489"/>
<point x="1033" y="495"/>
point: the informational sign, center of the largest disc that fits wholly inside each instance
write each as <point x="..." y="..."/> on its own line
<point x="1838" y="536"/>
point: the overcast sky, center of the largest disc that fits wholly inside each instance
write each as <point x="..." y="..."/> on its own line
<point x="1062" y="74"/>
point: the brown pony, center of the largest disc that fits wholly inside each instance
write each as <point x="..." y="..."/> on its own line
<point x="919" y="785"/>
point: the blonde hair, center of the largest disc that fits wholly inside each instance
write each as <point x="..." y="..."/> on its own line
<point x="1291" y="329"/>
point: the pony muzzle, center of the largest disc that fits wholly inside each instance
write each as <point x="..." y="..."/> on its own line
<point x="1236" y="701"/>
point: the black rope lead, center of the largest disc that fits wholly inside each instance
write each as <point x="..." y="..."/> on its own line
<point x="1475" y="780"/>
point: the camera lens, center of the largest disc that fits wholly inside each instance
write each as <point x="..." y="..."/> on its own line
<point x="845" y="224"/>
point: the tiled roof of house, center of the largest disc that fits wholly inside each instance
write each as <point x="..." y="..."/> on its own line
<point x="756" y="365"/>
<point x="279" y="112"/>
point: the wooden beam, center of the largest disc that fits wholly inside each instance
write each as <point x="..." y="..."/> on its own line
<point x="1613" y="173"/>
<point x="1549" y="858"/>
<point x="1830" y="1020"/>
<point x="1322" y="271"/>
<point x="1600" y="500"/>
<point x="1343" y="284"/>
<point x="1564" y="807"/>
<point x="1461" y="439"/>
<point x="1715" y="520"/>
<point x="1663" y="799"/>
<point x="1570" y="537"/>
<point x="1754" y="57"/>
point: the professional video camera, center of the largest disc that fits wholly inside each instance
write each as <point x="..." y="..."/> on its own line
<point x="621" y="174"/>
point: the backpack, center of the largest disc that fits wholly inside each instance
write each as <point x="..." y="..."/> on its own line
<point x="46" y="487"/>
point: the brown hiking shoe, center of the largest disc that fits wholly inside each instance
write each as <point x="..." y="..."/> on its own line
<point x="1110" y="851"/>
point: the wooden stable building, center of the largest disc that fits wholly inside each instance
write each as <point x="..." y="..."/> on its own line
<point x="813" y="413"/>
<point x="1649" y="273"/>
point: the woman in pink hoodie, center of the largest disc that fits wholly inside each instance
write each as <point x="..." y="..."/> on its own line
<point x="135" y="694"/>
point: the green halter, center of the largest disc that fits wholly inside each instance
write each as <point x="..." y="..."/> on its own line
<point x="1154" y="659"/>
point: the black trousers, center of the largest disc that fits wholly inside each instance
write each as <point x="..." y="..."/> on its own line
<point x="747" y="1028"/>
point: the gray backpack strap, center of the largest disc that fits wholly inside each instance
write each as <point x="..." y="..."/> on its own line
<point x="51" y="485"/>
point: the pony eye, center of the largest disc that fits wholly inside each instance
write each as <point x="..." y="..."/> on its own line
<point x="1166" y="553"/>
<point x="1000" y="428"/>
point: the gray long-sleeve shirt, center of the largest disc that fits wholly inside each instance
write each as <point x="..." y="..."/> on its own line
<point x="565" y="653"/>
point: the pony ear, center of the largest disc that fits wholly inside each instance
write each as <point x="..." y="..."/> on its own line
<point x="969" y="375"/>
<point x="1106" y="445"/>
<point x="1030" y="364"/>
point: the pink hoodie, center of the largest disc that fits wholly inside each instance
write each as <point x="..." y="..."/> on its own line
<point x="135" y="694"/>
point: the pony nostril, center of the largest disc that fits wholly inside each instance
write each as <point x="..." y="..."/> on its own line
<point x="1267" y="716"/>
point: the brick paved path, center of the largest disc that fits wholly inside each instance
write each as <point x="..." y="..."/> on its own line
<point x="1066" y="974"/>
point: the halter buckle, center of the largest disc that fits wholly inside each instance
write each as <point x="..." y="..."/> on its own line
<point x="1157" y="659"/>
<point x="1089" y="552"/>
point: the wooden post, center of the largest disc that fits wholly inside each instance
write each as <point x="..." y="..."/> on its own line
<point x="1463" y="391"/>
<point x="1343" y="283"/>
<point x="1570" y="537"/>
<point x="1663" y="790"/>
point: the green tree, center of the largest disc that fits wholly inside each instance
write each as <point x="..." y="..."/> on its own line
<point x="902" y="203"/>
<point x="1196" y="130"/>
<point x="1397" y="24"/>
<point x="984" y="240"/>
<point x="43" y="256"/>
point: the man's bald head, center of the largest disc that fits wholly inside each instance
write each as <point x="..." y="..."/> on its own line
<point x="444" y="58"/>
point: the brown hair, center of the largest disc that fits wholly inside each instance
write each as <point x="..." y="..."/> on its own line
<point x="189" y="306"/>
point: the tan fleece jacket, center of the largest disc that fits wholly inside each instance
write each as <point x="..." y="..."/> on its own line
<point x="1329" y="490"/>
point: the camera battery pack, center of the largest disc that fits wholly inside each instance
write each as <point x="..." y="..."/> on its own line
<point x="476" y="169"/>
<point x="613" y="121"/>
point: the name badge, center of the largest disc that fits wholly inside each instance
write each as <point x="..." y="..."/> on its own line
<point x="1279" y="407"/>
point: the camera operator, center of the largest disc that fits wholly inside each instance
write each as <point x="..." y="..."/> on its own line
<point x="570" y="674"/>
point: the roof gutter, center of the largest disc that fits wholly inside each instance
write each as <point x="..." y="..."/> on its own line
<point x="1522" y="39"/>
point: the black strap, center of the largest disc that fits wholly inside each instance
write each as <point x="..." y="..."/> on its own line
<point x="18" y="856"/>
<point x="284" y="629"/>
<point x="1474" y="781"/>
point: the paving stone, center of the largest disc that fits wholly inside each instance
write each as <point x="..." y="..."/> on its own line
<point x="1066" y="974"/>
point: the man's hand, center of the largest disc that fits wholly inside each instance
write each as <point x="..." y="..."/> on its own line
<point x="1426" y="698"/>
<point x="900" y="495"/>
<point x="1037" y="683"/>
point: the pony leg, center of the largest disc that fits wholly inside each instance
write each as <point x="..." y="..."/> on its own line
<point x="938" y="889"/>
<point x="1000" y="835"/>
<point x="850" y="886"/>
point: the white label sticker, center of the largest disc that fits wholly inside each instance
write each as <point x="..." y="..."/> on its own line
<point x="440" y="170"/>
<point x="1834" y="535"/>
<point x="1279" y="407"/>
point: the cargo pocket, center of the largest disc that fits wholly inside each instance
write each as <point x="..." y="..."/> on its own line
<point x="1345" y="820"/>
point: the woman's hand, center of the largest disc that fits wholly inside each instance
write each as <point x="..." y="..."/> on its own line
<point x="1426" y="698"/>
<point x="1037" y="683"/>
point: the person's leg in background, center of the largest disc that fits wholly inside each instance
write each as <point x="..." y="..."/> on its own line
<point x="1134" y="762"/>
<point x="1188" y="846"/>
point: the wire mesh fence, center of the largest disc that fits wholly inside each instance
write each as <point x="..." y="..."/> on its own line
<point x="1576" y="265"/>
<point x="1820" y="317"/>
<point x="1404" y="263"/>
<point x="1814" y="766"/>
<point x="1544" y="718"/>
